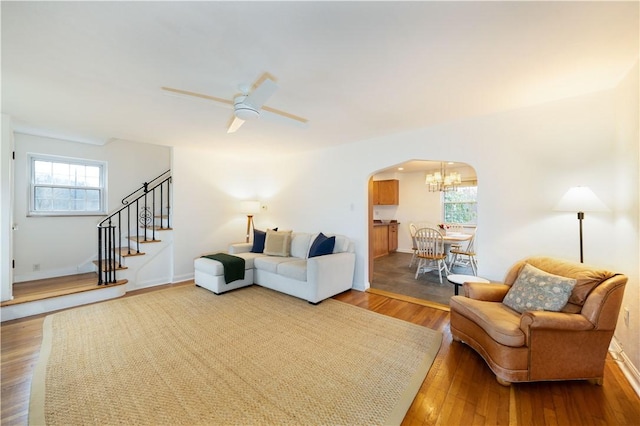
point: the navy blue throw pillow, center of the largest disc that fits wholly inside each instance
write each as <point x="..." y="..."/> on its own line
<point x="259" y="238"/>
<point x="322" y="245"/>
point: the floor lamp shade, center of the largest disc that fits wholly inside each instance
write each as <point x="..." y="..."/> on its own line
<point x="580" y="199"/>
<point x="249" y="208"/>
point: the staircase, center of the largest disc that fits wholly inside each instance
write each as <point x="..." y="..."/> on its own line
<point x="135" y="235"/>
<point x="135" y="250"/>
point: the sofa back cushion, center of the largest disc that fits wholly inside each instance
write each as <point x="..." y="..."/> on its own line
<point x="300" y="242"/>
<point x="587" y="277"/>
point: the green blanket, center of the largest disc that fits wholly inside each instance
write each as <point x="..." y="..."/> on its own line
<point x="233" y="266"/>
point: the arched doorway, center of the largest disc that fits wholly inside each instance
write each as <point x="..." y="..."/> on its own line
<point x="422" y="203"/>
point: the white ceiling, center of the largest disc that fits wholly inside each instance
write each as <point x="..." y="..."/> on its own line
<point x="92" y="71"/>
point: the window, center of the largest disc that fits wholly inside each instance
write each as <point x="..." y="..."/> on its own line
<point x="62" y="186"/>
<point x="460" y="206"/>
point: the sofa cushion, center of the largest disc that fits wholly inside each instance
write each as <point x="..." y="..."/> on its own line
<point x="278" y="243"/>
<point x="215" y="268"/>
<point x="300" y="244"/>
<point x="270" y="263"/>
<point x="497" y="320"/>
<point x="322" y="245"/>
<point x="295" y="269"/>
<point x="537" y="290"/>
<point x="249" y="258"/>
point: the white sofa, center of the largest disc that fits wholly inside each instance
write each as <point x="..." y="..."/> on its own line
<point x="313" y="279"/>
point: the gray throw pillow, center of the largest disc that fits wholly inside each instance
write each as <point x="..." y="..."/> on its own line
<point x="537" y="290"/>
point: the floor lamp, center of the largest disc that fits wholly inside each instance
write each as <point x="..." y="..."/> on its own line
<point x="580" y="199"/>
<point x="249" y="208"/>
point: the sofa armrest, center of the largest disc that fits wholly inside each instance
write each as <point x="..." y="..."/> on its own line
<point x="492" y="292"/>
<point x="240" y="248"/>
<point x="330" y="274"/>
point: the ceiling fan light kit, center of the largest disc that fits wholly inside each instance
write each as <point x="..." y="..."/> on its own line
<point x="244" y="111"/>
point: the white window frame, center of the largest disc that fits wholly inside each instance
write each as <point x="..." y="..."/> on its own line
<point x="468" y="224"/>
<point x="102" y="187"/>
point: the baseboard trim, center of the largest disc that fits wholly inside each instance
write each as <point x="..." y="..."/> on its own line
<point x="183" y="277"/>
<point x="629" y="370"/>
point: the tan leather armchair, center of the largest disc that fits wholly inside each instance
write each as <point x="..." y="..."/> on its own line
<point x="540" y="345"/>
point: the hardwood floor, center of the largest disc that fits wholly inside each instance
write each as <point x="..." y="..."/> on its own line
<point x="30" y="291"/>
<point x="458" y="390"/>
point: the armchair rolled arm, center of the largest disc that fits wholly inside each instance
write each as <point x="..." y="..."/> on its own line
<point x="492" y="292"/>
<point x="554" y="320"/>
<point x="552" y="323"/>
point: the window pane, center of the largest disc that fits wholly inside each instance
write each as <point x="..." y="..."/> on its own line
<point x="460" y="206"/>
<point x="460" y="213"/>
<point x="61" y="193"/>
<point x="43" y="204"/>
<point x="43" y="193"/>
<point x="61" y="174"/>
<point x="93" y="176"/>
<point x="77" y="175"/>
<point x="63" y="205"/>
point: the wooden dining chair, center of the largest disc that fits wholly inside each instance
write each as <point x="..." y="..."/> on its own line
<point x="465" y="256"/>
<point x="430" y="251"/>
<point x="412" y="231"/>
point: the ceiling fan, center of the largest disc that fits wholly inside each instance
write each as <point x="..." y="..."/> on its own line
<point x="250" y="104"/>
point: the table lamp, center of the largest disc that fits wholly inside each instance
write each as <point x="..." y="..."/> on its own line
<point x="249" y="208"/>
<point x="580" y="199"/>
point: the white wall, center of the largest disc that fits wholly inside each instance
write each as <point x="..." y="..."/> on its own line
<point x="525" y="160"/>
<point x="625" y="243"/>
<point x="6" y="202"/>
<point x="66" y="245"/>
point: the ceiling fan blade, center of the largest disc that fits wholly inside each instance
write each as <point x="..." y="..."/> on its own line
<point x="261" y="93"/>
<point x="235" y="125"/>
<point x="196" y="95"/>
<point x="284" y="114"/>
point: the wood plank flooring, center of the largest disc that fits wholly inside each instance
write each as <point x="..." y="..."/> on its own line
<point x="30" y="291"/>
<point x="458" y="390"/>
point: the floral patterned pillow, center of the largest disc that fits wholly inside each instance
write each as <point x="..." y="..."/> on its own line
<point x="537" y="290"/>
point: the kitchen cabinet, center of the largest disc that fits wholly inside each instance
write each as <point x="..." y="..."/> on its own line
<point x="385" y="238"/>
<point x="386" y="192"/>
<point x="393" y="237"/>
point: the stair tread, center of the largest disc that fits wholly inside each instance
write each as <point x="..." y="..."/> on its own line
<point x="89" y="285"/>
<point x="105" y="267"/>
<point x="124" y="252"/>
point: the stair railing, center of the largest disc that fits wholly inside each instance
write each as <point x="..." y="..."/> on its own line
<point x="141" y="205"/>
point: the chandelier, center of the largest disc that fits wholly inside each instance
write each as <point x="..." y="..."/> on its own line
<point x="441" y="181"/>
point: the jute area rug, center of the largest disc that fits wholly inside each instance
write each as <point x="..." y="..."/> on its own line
<point x="250" y="356"/>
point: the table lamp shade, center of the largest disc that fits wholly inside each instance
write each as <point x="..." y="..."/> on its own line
<point x="580" y="199"/>
<point x="250" y="207"/>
